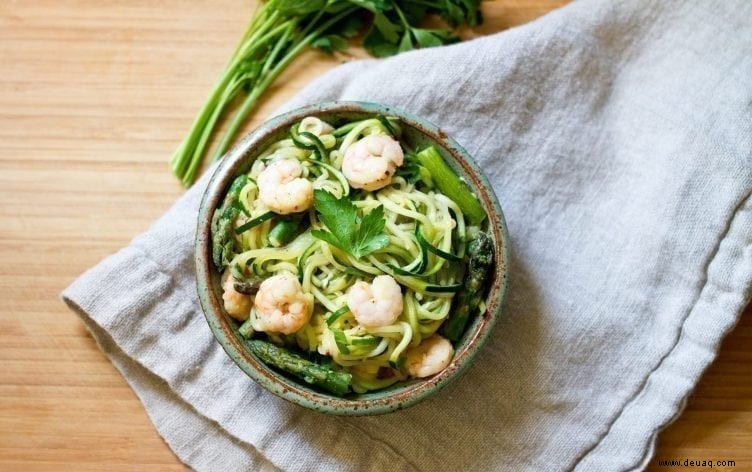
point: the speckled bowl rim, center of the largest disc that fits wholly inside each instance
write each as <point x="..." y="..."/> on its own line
<point x="380" y="402"/>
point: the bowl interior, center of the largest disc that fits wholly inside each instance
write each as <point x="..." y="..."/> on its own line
<point x="417" y="134"/>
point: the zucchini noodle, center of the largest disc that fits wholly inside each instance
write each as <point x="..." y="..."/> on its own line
<point x="421" y="224"/>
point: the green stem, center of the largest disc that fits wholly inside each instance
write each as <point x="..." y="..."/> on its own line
<point x="281" y="43"/>
<point x="248" y="104"/>
<point x="200" y="141"/>
<point x="258" y="17"/>
<point x="260" y="88"/>
<point x="208" y="129"/>
<point x="408" y="27"/>
<point x="260" y="37"/>
<point x="180" y="160"/>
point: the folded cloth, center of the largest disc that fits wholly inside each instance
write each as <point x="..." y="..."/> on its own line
<point x="618" y="138"/>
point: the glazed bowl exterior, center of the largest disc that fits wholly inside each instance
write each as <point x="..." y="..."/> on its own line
<point x="417" y="133"/>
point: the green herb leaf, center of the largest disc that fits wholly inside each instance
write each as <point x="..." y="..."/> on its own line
<point x="453" y="14"/>
<point x="456" y="12"/>
<point x="328" y="238"/>
<point x="473" y="16"/>
<point x="340" y="216"/>
<point x="374" y="6"/>
<point x="389" y="30"/>
<point x="428" y="38"/>
<point x="378" y="46"/>
<point x="384" y="37"/>
<point x="371" y="236"/>
<point x="406" y="43"/>
<point x="299" y="7"/>
<point x="331" y="43"/>
<point x="414" y="12"/>
<point x="350" y="27"/>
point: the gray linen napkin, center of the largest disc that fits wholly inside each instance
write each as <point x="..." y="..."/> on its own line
<point x="618" y="137"/>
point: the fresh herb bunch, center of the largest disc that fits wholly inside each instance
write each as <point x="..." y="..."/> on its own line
<point x="280" y="30"/>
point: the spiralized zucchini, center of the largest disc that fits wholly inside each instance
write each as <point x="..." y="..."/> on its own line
<point x="427" y="236"/>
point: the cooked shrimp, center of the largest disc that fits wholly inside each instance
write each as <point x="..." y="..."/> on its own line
<point x="281" y="306"/>
<point x="370" y="163"/>
<point x="376" y="304"/>
<point x="316" y="126"/>
<point x="429" y="357"/>
<point x="282" y="189"/>
<point x="236" y="304"/>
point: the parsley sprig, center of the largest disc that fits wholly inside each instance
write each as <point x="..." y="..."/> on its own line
<point x="394" y="28"/>
<point x="347" y="231"/>
<point x="281" y="30"/>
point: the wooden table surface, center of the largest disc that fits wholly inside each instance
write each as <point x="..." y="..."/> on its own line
<point x="94" y="97"/>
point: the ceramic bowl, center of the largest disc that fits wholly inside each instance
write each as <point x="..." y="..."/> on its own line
<point x="417" y="133"/>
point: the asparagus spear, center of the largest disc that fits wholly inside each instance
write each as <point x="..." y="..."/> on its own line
<point x="481" y="258"/>
<point x="223" y="239"/>
<point x="246" y="329"/>
<point x="316" y="374"/>
<point x="451" y="185"/>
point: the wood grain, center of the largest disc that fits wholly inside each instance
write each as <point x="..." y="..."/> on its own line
<point x="94" y="97"/>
